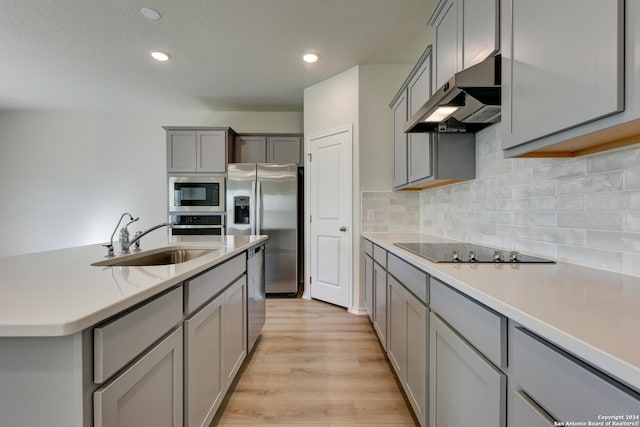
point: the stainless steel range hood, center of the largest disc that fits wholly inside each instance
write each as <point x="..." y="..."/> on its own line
<point x="467" y="102"/>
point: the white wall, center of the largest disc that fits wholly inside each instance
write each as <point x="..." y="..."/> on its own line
<point x="359" y="96"/>
<point x="331" y="104"/>
<point x="66" y="176"/>
<point x="378" y="84"/>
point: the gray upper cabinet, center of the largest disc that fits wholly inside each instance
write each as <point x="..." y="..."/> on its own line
<point x="284" y="149"/>
<point x="466" y="32"/>
<point x="198" y="150"/>
<point x="419" y="150"/>
<point x="446" y="49"/>
<point x="424" y="160"/>
<point x="558" y="83"/>
<point x="480" y="30"/>
<point x="251" y="148"/>
<point x="400" y="158"/>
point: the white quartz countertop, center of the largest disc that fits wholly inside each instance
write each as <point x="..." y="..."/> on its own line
<point x="591" y="313"/>
<point x="59" y="292"/>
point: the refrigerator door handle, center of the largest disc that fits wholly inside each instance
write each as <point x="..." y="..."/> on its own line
<point x="258" y="207"/>
<point x="252" y="207"/>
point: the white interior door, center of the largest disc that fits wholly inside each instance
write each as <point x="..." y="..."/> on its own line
<point x="330" y="209"/>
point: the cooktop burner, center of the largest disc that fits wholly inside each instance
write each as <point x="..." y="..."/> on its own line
<point x="467" y="252"/>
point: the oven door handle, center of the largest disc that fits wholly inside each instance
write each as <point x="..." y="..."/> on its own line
<point x="197" y="226"/>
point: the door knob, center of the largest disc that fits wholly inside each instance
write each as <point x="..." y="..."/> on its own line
<point x="343" y="228"/>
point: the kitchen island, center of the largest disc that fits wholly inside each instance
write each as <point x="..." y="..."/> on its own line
<point x="560" y="338"/>
<point x="74" y="336"/>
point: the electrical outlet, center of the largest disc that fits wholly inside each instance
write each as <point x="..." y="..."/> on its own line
<point x="371" y="215"/>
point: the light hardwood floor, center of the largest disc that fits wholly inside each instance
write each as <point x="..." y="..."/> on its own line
<point x="316" y="365"/>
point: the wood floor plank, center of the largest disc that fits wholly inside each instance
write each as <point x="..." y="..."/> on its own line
<point x="315" y="365"/>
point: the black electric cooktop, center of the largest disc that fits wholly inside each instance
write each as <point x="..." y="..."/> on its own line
<point x="467" y="253"/>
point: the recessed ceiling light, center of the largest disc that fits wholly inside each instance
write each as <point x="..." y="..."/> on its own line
<point x="310" y="57"/>
<point x="160" y="56"/>
<point x="152" y="14"/>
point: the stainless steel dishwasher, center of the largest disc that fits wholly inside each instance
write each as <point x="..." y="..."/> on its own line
<point x="255" y="294"/>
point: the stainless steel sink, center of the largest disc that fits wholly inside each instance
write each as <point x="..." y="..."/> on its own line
<point x="157" y="257"/>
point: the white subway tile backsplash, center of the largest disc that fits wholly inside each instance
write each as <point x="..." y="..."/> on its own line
<point x="595" y="220"/>
<point x="614" y="160"/>
<point x="596" y="258"/>
<point x="514" y="231"/>
<point x="535" y="218"/>
<point x="561" y="170"/>
<point x="569" y="236"/>
<point x="631" y="264"/>
<point x="607" y="201"/>
<point x="611" y="181"/>
<point x="631" y="221"/>
<point x="571" y="202"/>
<point x="632" y="179"/>
<point x="614" y="240"/>
<point x="582" y="210"/>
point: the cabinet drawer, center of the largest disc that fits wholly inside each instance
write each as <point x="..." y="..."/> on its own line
<point x="117" y="342"/>
<point x="368" y="248"/>
<point x="380" y="256"/>
<point x="526" y="413"/>
<point x="567" y="388"/>
<point x="482" y="327"/>
<point x="201" y="289"/>
<point x="411" y="278"/>
<point x="149" y="393"/>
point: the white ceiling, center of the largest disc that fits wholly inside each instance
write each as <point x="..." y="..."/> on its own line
<point x="227" y="54"/>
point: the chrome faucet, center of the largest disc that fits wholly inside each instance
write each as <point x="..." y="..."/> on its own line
<point x="124" y="237"/>
<point x="123" y="233"/>
<point x="139" y="234"/>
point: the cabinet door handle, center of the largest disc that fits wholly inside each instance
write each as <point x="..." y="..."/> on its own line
<point x="343" y="228"/>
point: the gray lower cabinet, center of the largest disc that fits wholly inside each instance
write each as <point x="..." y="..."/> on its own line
<point x="216" y="346"/>
<point x="417" y="365"/>
<point x="465" y="388"/>
<point x="235" y="328"/>
<point x="547" y="384"/>
<point x="204" y="377"/>
<point x="397" y="343"/>
<point x="148" y="393"/>
<point x="408" y="332"/>
<point x="380" y="303"/>
<point x="368" y="285"/>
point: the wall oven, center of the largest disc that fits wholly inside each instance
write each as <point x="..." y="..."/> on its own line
<point x="197" y="225"/>
<point x="196" y="194"/>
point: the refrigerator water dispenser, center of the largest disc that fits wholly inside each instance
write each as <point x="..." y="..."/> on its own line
<point x="241" y="210"/>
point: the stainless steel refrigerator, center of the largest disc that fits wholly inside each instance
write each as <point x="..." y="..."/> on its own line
<point x="263" y="199"/>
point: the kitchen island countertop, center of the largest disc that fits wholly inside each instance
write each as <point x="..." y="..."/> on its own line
<point x="594" y="314"/>
<point x="59" y="292"/>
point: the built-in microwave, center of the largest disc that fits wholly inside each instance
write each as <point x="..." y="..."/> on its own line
<point x="196" y="194"/>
